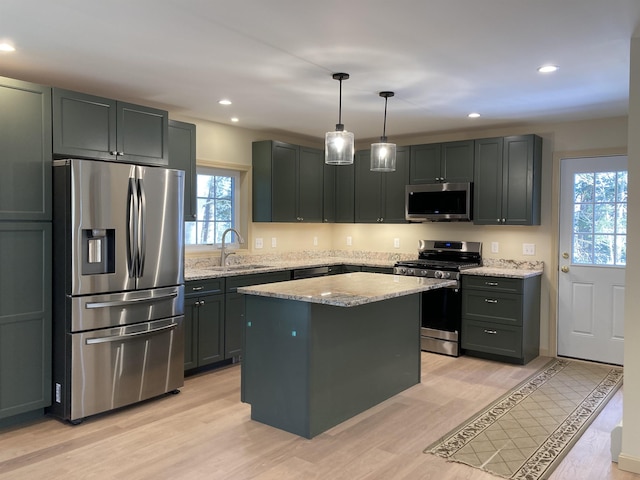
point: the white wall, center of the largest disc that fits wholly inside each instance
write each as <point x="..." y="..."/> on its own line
<point x="630" y="457"/>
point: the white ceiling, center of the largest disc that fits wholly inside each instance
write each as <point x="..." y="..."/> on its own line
<point x="275" y="58"/>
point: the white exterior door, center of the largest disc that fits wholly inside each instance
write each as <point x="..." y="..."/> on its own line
<point x="593" y="227"/>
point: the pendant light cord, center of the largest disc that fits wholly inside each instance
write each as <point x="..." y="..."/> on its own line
<point x="384" y="125"/>
<point x="340" y="105"/>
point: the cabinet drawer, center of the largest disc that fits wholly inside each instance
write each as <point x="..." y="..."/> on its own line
<point x="492" y="306"/>
<point x="499" y="284"/>
<point x="492" y="338"/>
<point x="203" y="287"/>
<point x="256" y="279"/>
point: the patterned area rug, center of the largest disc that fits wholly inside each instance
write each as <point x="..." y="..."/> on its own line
<point x="526" y="433"/>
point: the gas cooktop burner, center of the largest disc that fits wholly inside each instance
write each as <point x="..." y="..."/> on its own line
<point x="438" y="259"/>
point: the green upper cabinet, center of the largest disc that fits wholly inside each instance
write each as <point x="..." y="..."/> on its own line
<point x="87" y="126"/>
<point x="25" y="151"/>
<point x="507" y="180"/>
<point x="379" y="196"/>
<point x="339" y="193"/>
<point x="287" y="183"/>
<point x="182" y="156"/>
<point x="442" y="162"/>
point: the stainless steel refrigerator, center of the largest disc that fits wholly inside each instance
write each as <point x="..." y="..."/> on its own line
<point x="118" y="285"/>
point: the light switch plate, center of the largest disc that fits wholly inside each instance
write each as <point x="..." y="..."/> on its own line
<point x="274" y="242"/>
<point x="349" y="241"/>
<point x="528" y="248"/>
<point x="259" y="243"/>
<point x="396" y="243"/>
<point x="315" y="241"/>
<point x="495" y="248"/>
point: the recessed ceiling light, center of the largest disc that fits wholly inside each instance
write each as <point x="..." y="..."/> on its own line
<point x="224" y="101"/>
<point x="473" y="115"/>
<point x="235" y="119"/>
<point x="5" y="47"/>
<point x="547" y="68"/>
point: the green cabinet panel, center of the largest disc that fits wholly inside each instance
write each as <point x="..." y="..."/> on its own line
<point x="25" y="317"/>
<point x="88" y="126"/>
<point x="203" y="322"/>
<point x="442" y="162"/>
<point x="182" y="156"/>
<point x="501" y="317"/>
<point x="339" y="193"/>
<point x="25" y="151"/>
<point x="287" y="183"/>
<point x="507" y="183"/>
<point x="380" y="196"/>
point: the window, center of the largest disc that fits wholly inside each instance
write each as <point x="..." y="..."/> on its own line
<point x="600" y="218"/>
<point x="217" y="193"/>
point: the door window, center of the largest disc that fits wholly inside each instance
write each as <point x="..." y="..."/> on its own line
<point x="600" y="218"/>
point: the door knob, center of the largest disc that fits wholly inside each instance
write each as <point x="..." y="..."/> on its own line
<point x="565" y="255"/>
<point x="565" y="269"/>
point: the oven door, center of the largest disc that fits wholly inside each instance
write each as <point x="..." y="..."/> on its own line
<point x="441" y="321"/>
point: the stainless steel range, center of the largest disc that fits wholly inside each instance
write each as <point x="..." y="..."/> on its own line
<point x="442" y="308"/>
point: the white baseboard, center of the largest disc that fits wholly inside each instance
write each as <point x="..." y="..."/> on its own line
<point x="629" y="463"/>
<point x="616" y="442"/>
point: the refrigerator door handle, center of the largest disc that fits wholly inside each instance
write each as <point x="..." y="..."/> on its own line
<point x="136" y="301"/>
<point x="129" y="336"/>
<point x="142" y="215"/>
<point x="132" y="226"/>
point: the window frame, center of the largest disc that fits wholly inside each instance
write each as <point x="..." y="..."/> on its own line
<point x="237" y="176"/>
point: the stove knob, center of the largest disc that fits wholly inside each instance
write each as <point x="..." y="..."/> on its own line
<point x="403" y="270"/>
<point x="423" y="273"/>
<point x="437" y="274"/>
<point x="446" y="274"/>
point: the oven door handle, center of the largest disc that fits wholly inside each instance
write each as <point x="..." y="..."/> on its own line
<point x="129" y="336"/>
<point x="135" y="301"/>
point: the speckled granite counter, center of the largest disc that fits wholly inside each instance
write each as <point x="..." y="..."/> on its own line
<point x="507" y="269"/>
<point x="347" y="290"/>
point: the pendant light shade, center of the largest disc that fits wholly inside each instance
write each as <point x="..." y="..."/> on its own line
<point x="383" y="154"/>
<point x="339" y="145"/>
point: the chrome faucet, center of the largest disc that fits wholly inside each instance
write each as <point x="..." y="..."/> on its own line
<point x="223" y="254"/>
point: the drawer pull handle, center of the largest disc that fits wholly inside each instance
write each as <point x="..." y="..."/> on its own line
<point x="197" y="289"/>
<point x="491" y="332"/>
<point x="490" y="300"/>
<point x="491" y="284"/>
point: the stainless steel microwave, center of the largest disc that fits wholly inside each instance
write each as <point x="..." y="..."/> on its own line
<point x="439" y="202"/>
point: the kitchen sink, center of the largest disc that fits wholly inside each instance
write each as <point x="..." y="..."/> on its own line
<point x="232" y="268"/>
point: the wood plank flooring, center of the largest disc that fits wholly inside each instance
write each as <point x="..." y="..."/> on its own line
<point x="205" y="433"/>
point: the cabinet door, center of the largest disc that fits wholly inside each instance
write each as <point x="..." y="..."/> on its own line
<point x="345" y="193"/>
<point x="182" y="156"/>
<point x="368" y="190"/>
<point x="284" y="177"/>
<point x="457" y="161"/>
<point x="393" y="202"/>
<point x="487" y="186"/>
<point x="25" y="317"/>
<point x="190" y="326"/>
<point x="234" y="325"/>
<point x="425" y="163"/>
<point x="329" y="200"/>
<point x="25" y="151"/>
<point x="142" y="135"/>
<point x="84" y="126"/>
<point x="310" y="184"/>
<point x="521" y="180"/>
<point x="210" y="329"/>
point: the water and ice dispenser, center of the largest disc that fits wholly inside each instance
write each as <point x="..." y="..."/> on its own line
<point x="98" y="251"/>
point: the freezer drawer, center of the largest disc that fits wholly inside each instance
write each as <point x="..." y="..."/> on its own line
<point x="114" y="367"/>
<point x="116" y="309"/>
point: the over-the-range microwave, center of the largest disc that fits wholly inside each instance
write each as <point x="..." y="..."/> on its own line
<point x="439" y="202"/>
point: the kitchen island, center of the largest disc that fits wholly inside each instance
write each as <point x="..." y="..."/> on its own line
<point x="320" y="350"/>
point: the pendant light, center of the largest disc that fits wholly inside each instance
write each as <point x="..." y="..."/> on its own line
<point x="383" y="154"/>
<point x="338" y="145"/>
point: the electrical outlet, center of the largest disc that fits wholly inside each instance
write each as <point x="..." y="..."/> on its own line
<point x="396" y="243"/>
<point x="259" y="243"/>
<point x="315" y="241"/>
<point x="495" y="247"/>
<point x="349" y="241"/>
<point x="528" y="249"/>
<point x="274" y="242"/>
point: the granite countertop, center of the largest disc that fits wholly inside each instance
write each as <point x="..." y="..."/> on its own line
<point x="347" y="290"/>
<point x="507" y="269"/>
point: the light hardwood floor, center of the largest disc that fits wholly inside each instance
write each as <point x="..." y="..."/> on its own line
<point x="205" y="433"/>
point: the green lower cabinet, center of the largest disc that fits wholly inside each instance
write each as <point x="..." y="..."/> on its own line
<point x="203" y="322"/>
<point x="501" y="318"/>
<point x="25" y="318"/>
<point x="233" y="325"/>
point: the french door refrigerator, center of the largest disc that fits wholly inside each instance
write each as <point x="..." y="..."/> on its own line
<point x="118" y="285"/>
